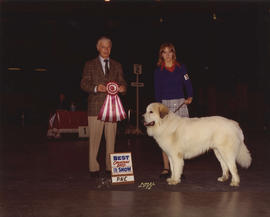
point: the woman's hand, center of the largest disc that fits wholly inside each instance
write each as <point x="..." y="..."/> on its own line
<point x="188" y="101"/>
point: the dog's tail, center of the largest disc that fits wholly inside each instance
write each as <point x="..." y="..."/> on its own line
<point x="244" y="158"/>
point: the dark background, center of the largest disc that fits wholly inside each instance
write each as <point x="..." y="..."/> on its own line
<point x="223" y="56"/>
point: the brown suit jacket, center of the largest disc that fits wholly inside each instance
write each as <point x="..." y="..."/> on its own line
<point x="93" y="75"/>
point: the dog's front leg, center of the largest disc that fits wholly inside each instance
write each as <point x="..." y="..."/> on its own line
<point x="171" y="167"/>
<point x="176" y="164"/>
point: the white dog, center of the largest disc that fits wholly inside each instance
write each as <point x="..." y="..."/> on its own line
<point x="184" y="138"/>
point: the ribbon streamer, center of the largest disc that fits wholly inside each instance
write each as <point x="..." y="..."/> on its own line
<point x="112" y="109"/>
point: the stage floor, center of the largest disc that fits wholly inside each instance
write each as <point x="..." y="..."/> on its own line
<point x="49" y="177"/>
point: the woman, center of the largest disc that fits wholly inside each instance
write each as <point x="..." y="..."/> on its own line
<point x="171" y="80"/>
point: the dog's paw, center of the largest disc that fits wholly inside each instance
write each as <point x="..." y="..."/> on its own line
<point x="234" y="184"/>
<point x="169" y="180"/>
<point x="172" y="181"/>
<point x="223" y="178"/>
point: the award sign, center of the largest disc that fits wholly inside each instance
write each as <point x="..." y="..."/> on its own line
<point x="121" y="168"/>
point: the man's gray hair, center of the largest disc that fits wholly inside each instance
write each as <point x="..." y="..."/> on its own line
<point x="105" y="39"/>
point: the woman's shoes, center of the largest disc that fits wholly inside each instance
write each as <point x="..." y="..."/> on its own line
<point x="166" y="173"/>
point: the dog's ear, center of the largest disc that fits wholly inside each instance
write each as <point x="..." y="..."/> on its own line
<point x="163" y="111"/>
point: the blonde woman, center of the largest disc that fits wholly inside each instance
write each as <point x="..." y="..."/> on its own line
<point x="171" y="83"/>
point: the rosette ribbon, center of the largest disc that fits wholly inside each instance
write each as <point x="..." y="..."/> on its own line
<point x="112" y="109"/>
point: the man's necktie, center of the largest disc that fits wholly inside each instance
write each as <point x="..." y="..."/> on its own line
<point x="106" y="67"/>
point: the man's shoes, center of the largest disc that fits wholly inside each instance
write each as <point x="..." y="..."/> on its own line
<point x="166" y="173"/>
<point x="108" y="173"/>
<point x="95" y="174"/>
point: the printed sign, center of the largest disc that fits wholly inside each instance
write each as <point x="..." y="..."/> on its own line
<point x="137" y="69"/>
<point x="121" y="168"/>
<point x="83" y="131"/>
<point x="186" y="77"/>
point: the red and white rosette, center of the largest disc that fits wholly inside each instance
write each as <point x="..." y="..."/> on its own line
<point x="112" y="109"/>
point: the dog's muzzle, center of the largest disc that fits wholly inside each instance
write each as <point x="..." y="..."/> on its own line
<point x="150" y="124"/>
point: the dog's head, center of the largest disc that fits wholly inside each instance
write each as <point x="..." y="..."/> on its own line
<point x="155" y="112"/>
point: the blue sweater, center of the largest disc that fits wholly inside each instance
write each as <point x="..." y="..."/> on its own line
<point x="171" y="85"/>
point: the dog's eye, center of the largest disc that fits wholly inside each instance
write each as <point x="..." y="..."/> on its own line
<point x="151" y="112"/>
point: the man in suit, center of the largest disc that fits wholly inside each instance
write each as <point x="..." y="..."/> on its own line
<point x="96" y="74"/>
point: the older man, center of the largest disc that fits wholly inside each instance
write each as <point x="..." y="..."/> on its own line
<point x="96" y="74"/>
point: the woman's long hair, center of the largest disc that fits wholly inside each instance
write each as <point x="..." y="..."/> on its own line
<point x="161" y="50"/>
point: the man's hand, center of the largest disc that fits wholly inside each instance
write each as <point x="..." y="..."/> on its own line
<point x="122" y="89"/>
<point x="101" y="88"/>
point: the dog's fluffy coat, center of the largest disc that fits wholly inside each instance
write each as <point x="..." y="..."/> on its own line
<point x="184" y="138"/>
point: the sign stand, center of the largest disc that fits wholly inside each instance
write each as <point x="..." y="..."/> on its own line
<point x="137" y="70"/>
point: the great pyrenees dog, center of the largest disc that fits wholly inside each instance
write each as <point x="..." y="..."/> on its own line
<point x="185" y="138"/>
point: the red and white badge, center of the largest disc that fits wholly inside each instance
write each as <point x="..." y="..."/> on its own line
<point x="112" y="109"/>
<point x="112" y="88"/>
